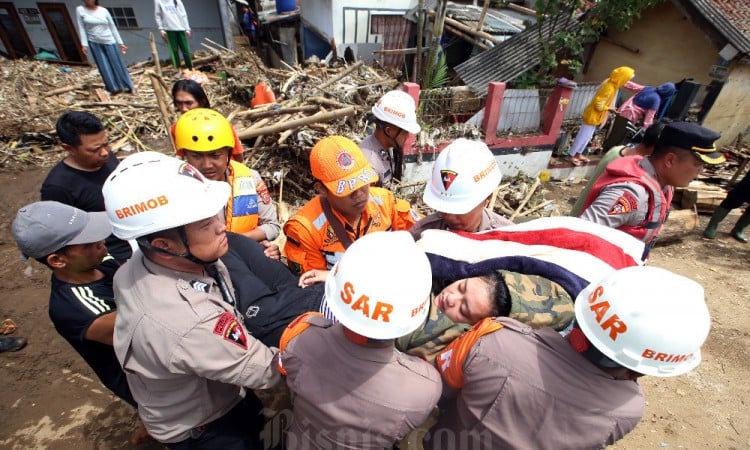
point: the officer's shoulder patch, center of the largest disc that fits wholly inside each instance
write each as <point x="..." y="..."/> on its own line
<point x="625" y="203"/>
<point x="199" y="285"/>
<point x="262" y="191"/>
<point x="230" y="329"/>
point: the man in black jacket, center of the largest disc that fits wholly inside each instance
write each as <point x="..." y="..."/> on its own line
<point x="266" y="291"/>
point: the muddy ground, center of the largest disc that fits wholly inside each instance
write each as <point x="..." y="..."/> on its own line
<point x="51" y="399"/>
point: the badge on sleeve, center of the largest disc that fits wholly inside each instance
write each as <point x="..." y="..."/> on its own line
<point x="231" y="330"/>
<point x="625" y="204"/>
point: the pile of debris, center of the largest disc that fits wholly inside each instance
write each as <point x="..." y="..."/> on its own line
<point x="311" y="102"/>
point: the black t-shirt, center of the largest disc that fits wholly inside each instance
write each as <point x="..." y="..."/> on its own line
<point x="83" y="190"/>
<point x="73" y="308"/>
<point x="267" y="294"/>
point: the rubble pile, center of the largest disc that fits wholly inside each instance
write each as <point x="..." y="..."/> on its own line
<point x="311" y="101"/>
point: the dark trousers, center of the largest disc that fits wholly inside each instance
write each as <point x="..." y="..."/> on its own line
<point x="239" y="429"/>
<point x="739" y="194"/>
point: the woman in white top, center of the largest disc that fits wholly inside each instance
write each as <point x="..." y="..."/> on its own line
<point x="172" y="20"/>
<point x="99" y="34"/>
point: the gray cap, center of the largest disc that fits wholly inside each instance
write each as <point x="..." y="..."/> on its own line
<point x="42" y="228"/>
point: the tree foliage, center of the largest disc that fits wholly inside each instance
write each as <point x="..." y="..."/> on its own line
<point x="565" y="48"/>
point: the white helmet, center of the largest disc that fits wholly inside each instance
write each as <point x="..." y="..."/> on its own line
<point x="377" y="295"/>
<point x="647" y="319"/>
<point x="150" y="192"/>
<point x="399" y="109"/>
<point x="465" y="173"/>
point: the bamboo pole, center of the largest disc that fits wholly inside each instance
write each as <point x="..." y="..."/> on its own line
<point x="486" y="6"/>
<point x="277" y="127"/>
<point x="154" y="53"/>
<point x="253" y="115"/>
<point x="163" y="108"/>
<point x="417" y="76"/>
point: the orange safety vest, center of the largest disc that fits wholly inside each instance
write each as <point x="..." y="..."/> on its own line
<point x="629" y="170"/>
<point x="450" y="362"/>
<point x="312" y="244"/>
<point x="242" y="208"/>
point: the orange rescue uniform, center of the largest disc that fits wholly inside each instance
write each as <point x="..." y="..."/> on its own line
<point x="312" y="243"/>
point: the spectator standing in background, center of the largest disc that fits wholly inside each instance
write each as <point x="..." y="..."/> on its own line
<point x="172" y="20"/>
<point x="98" y="32"/>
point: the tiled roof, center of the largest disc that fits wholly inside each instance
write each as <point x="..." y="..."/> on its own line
<point x="730" y="17"/>
<point x="508" y="59"/>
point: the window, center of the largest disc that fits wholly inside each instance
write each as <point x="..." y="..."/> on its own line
<point x="124" y="17"/>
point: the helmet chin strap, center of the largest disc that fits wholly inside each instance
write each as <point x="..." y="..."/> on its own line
<point x="209" y="266"/>
<point x="187" y="255"/>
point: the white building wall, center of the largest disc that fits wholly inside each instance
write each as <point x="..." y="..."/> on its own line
<point x="204" y="17"/>
<point x="348" y="21"/>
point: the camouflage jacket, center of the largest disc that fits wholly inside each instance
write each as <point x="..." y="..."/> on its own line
<point x="435" y="333"/>
<point x="534" y="300"/>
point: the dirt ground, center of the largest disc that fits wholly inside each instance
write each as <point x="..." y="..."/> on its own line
<point x="51" y="399"/>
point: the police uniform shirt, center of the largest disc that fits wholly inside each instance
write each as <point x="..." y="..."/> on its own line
<point x="379" y="158"/>
<point x="183" y="348"/>
<point x="490" y="221"/>
<point x="620" y="204"/>
<point x="349" y="396"/>
<point x="529" y="389"/>
<point x="73" y="308"/>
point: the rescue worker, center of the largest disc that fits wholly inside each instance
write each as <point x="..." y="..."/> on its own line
<point x="643" y="148"/>
<point x="735" y="198"/>
<point x="463" y="179"/>
<point x="395" y="119"/>
<point x="350" y="387"/>
<point x="634" y="193"/>
<point x="178" y="335"/>
<point x="188" y="94"/>
<point x="345" y="209"/>
<point x="204" y="138"/>
<point x="520" y="388"/>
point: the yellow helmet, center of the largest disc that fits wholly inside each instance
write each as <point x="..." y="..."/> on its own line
<point x="202" y="130"/>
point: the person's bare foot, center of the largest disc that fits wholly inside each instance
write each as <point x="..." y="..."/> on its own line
<point x="140" y="435"/>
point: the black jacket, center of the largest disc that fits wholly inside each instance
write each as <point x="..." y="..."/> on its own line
<point x="266" y="291"/>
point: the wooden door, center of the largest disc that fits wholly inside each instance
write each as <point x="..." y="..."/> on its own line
<point x="12" y="33"/>
<point x="62" y="31"/>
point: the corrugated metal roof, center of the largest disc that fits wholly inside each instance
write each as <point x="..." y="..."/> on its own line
<point x="509" y="59"/>
<point x="495" y="22"/>
<point x="730" y="17"/>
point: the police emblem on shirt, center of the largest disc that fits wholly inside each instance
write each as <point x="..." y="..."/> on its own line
<point x="230" y="329"/>
<point x="625" y="204"/>
<point x="447" y="177"/>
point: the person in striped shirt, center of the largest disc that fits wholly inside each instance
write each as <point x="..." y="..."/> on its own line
<point x="82" y="307"/>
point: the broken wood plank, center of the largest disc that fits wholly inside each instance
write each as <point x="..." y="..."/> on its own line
<point x="341" y="75"/>
<point x="525" y="199"/>
<point x="277" y="127"/>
